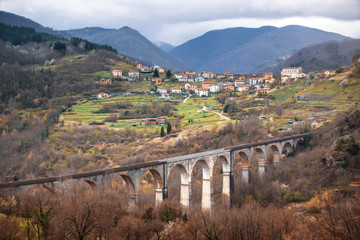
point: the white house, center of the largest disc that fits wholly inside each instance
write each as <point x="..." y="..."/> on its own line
<point x="181" y="77"/>
<point x="176" y="91"/>
<point x="292" y="72"/>
<point x="239" y="83"/>
<point x="202" y="92"/>
<point x="224" y="83"/>
<point x="162" y="90"/>
<point x="145" y="69"/>
<point x="155" y="67"/>
<point x="199" y="79"/>
<point x="255" y="81"/>
<point x="215" y="88"/>
<point x="103" y="95"/>
<point x="220" y="75"/>
<point x="116" y="73"/>
<point x="134" y="74"/>
<point x="244" y="87"/>
<point x="229" y="75"/>
<point x="191" y="86"/>
<point x="289" y="73"/>
<point x="206" y="74"/>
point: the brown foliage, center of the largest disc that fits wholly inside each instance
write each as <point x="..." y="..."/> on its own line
<point x="9" y="228"/>
<point x="336" y="218"/>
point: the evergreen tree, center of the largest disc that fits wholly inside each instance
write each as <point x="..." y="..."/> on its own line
<point x="60" y="47"/>
<point x="156" y="73"/>
<point x="162" y="133"/>
<point x="168" y="74"/>
<point x="168" y="129"/>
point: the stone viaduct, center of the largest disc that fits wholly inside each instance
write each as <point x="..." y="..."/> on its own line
<point x="261" y="153"/>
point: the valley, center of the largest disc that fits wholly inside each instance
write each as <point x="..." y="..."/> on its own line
<point x="120" y="142"/>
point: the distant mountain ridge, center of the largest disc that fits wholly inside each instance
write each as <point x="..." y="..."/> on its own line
<point x="166" y="47"/>
<point x="242" y="50"/>
<point x="201" y="50"/>
<point x="238" y="50"/>
<point x="16" y="20"/>
<point x="131" y="43"/>
<point x="125" y="40"/>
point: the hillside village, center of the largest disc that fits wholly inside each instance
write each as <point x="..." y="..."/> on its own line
<point x="189" y="83"/>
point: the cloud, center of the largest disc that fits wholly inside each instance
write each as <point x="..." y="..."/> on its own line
<point x="176" y="21"/>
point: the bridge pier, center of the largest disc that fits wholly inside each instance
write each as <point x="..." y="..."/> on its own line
<point x="185" y="195"/>
<point x="245" y="176"/>
<point x="133" y="199"/>
<point x="276" y="161"/>
<point x="206" y="198"/>
<point x="159" y="193"/>
<point x="262" y="169"/>
<point x="226" y="183"/>
<point x="165" y="193"/>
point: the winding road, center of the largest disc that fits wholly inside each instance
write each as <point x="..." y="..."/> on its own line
<point x="220" y="115"/>
<point x="207" y="110"/>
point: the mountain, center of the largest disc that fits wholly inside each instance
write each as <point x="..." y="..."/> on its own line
<point x="201" y="50"/>
<point x="129" y="42"/>
<point x="242" y="50"/>
<point x="166" y="47"/>
<point x="328" y="55"/>
<point x="16" y="20"/>
<point x="125" y="40"/>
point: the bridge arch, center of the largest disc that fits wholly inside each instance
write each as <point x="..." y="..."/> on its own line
<point x="178" y="184"/>
<point x="87" y="182"/>
<point x="115" y="183"/>
<point x="258" y="155"/>
<point x="242" y="158"/>
<point x="274" y="154"/>
<point x="40" y="195"/>
<point x="200" y="183"/>
<point x="287" y="148"/>
<point x="39" y="188"/>
<point x="297" y="143"/>
<point x="204" y="166"/>
<point x="83" y="185"/>
<point x="241" y="171"/>
<point x="158" y="181"/>
<point x="150" y="186"/>
<point x="225" y="163"/>
<point x="221" y="181"/>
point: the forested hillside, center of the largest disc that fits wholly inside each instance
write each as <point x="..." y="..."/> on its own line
<point x="131" y="43"/>
<point x="39" y="76"/>
<point x="242" y="50"/>
<point x="329" y="55"/>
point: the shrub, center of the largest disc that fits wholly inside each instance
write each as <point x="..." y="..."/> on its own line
<point x="314" y="205"/>
<point x="169" y="211"/>
<point x="295" y="197"/>
<point x="111" y="118"/>
<point x="96" y="123"/>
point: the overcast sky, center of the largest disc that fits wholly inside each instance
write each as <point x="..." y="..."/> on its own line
<point x="177" y="21"/>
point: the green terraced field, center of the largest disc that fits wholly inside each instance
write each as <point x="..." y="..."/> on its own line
<point x="83" y="112"/>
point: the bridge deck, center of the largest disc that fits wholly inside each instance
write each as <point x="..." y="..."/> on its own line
<point x="274" y="140"/>
<point x="194" y="155"/>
